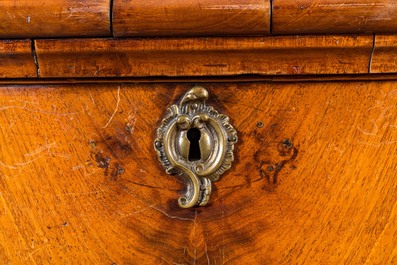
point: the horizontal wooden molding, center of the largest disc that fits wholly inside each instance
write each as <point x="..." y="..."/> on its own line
<point x="282" y="55"/>
<point x="198" y="18"/>
<point x="49" y="18"/>
<point x="334" y="16"/>
<point x="196" y="58"/>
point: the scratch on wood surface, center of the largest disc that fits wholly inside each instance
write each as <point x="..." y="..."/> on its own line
<point x="66" y="18"/>
<point x="19" y="164"/>
<point x="33" y="252"/>
<point x="78" y="167"/>
<point x="39" y="150"/>
<point x="136" y="212"/>
<point x="38" y="110"/>
<point x="115" y="110"/>
<point x="377" y="144"/>
<point x="92" y="100"/>
<point x="361" y="5"/>
<point x="93" y="171"/>
<point x="46" y="148"/>
<point x="30" y="255"/>
<point x="36" y="154"/>
<point x="234" y="7"/>
<point x="140" y="211"/>
<point x="206" y="253"/>
<point x="373" y="132"/>
<point x="171" y="216"/>
<point x="153" y="206"/>
<point x="159" y="210"/>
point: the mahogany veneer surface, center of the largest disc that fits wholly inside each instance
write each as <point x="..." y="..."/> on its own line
<point x="314" y="179"/>
<point x="54" y="18"/>
<point x="334" y="16"/>
<point x="191" y="17"/>
<point x="282" y="55"/>
<point x="204" y="18"/>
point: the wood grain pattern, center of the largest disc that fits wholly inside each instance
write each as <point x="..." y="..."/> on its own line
<point x="292" y="55"/>
<point x="314" y="179"/>
<point x="384" y="58"/>
<point x="68" y="18"/>
<point x="334" y="16"/>
<point x="191" y="18"/>
<point x="16" y="59"/>
<point x="54" y="18"/>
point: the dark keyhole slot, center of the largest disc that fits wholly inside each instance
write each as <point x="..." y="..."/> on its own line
<point x="193" y="135"/>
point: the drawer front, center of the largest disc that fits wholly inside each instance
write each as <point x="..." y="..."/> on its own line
<point x="314" y="177"/>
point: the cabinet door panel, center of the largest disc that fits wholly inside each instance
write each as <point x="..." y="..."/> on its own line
<point x="314" y="177"/>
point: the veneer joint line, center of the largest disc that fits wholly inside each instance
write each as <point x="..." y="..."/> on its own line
<point x="35" y="58"/>
<point x="372" y="53"/>
<point x="111" y="3"/>
<point x="271" y="18"/>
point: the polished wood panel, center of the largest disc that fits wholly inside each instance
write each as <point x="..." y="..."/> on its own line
<point x="191" y="17"/>
<point x="334" y="16"/>
<point x="17" y="59"/>
<point x="384" y="58"/>
<point x="54" y="18"/>
<point x="314" y="179"/>
<point x="292" y="55"/>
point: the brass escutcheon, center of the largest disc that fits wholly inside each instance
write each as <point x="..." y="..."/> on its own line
<point x="197" y="142"/>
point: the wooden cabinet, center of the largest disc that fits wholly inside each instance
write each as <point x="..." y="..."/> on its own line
<point x="314" y="179"/>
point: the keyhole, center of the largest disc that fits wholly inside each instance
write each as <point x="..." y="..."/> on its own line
<point x="194" y="135"/>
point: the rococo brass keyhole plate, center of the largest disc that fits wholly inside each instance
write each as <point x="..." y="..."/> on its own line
<point x="196" y="141"/>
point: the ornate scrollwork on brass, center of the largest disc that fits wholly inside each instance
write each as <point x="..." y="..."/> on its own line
<point x="197" y="142"/>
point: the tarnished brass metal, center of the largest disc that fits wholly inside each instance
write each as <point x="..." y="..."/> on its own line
<point x="197" y="142"/>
